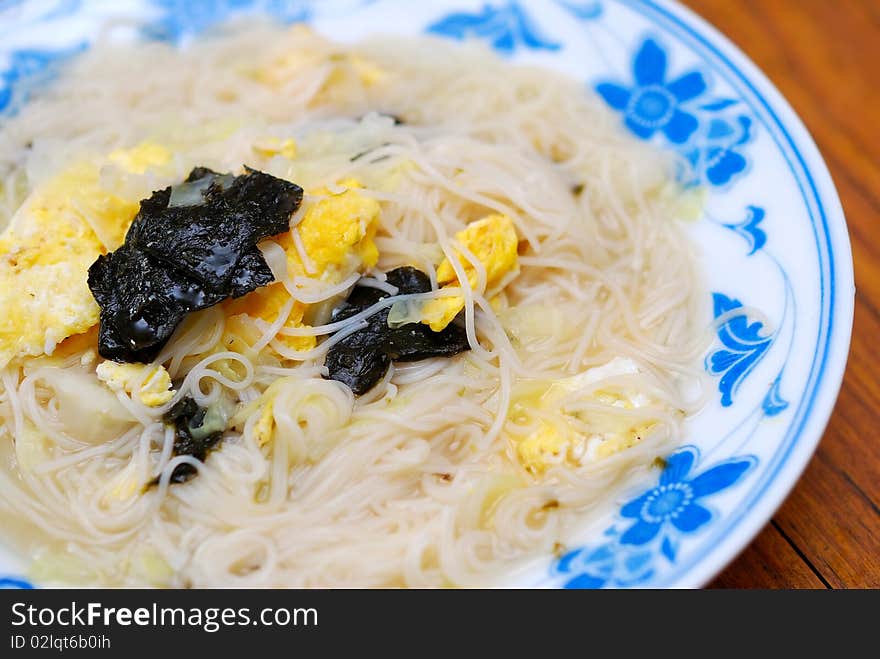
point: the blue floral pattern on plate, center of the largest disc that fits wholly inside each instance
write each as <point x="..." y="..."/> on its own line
<point x="709" y="141"/>
<point x="26" y="69"/>
<point x="183" y="18"/>
<point x="675" y="501"/>
<point x="650" y="526"/>
<point x="717" y="158"/>
<point x="15" y="583"/>
<point x="585" y="10"/>
<point x="743" y="344"/>
<point x="47" y="11"/>
<point x="750" y="228"/>
<point x="505" y="28"/>
<point x="655" y="103"/>
<point x="773" y="402"/>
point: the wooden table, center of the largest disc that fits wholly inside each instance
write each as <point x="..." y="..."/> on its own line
<point x="825" y="58"/>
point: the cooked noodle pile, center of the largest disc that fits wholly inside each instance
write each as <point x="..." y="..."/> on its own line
<point x="419" y="481"/>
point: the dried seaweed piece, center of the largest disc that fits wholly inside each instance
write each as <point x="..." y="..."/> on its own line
<point x="251" y="273"/>
<point x="362" y="358"/>
<point x="191" y="436"/>
<point x="179" y="259"/>
<point x="358" y="363"/>
<point x="203" y="241"/>
<point x="207" y="240"/>
<point x="415" y="341"/>
<point x="142" y="302"/>
<point x="272" y="200"/>
<point x="202" y="173"/>
<point x="408" y="280"/>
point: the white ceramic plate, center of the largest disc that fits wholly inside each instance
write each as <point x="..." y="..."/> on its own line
<point x="773" y="237"/>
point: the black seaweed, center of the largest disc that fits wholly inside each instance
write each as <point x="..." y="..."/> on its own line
<point x="142" y="302"/>
<point x="187" y="418"/>
<point x="181" y="258"/>
<point x="207" y="241"/>
<point x="361" y="359"/>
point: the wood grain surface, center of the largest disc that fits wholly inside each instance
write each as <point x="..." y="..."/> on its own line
<point x="824" y="56"/>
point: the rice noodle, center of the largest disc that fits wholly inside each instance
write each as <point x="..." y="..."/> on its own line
<point x="418" y="481"/>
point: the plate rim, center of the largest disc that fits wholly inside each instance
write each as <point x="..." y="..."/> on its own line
<point x="798" y="442"/>
<point x="746" y="522"/>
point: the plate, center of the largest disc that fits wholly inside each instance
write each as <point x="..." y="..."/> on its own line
<point x="773" y="239"/>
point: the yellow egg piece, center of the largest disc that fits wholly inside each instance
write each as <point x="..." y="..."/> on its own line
<point x="124" y="485"/>
<point x="337" y="238"/>
<point x="548" y="445"/>
<point x="150" y="382"/>
<point x="337" y="233"/>
<point x="274" y="146"/>
<point x="266" y="304"/>
<point x="370" y="73"/>
<point x="139" y="159"/>
<point x="441" y="311"/>
<point x="493" y="242"/>
<point x="45" y="253"/>
<point x="560" y="434"/>
<point x="265" y="425"/>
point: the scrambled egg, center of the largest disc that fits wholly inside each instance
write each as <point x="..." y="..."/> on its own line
<point x="337" y="233"/>
<point x="554" y="433"/>
<point x="264" y="408"/>
<point x="150" y="382"/>
<point x="274" y="146"/>
<point x="46" y="251"/>
<point x="342" y="70"/>
<point x="492" y="240"/>
<point x="145" y="156"/>
<point x="266" y="303"/>
<point x="337" y="238"/>
<point x="123" y="486"/>
<point x="265" y="425"/>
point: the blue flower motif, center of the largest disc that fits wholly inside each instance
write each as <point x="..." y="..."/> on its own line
<point x="676" y="501"/>
<point x="26" y="69"/>
<point x="587" y="10"/>
<point x="182" y="18"/>
<point x="603" y="566"/>
<point x="750" y="230"/>
<point x="773" y="402"/>
<point x="289" y="11"/>
<point x="655" y="103"/>
<point x="34" y="12"/>
<point x="717" y="155"/>
<point x="652" y="526"/>
<point x="592" y="568"/>
<point x="62" y="9"/>
<point x="14" y="583"/>
<point x="743" y="348"/>
<point x="10" y="4"/>
<point x="504" y="28"/>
